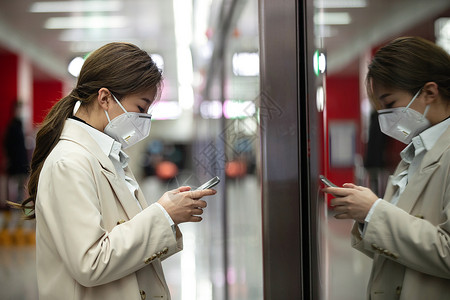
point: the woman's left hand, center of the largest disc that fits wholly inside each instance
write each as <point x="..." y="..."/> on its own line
<point x="351" y="201"/>
<point x="184" y="205"/>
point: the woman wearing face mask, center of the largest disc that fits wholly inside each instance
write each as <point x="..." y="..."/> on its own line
<point x="96" y="236"/>
<point x="407" y="232"/>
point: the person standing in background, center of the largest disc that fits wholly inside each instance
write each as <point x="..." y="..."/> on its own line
<point x="375" y="155"/>
<point x="407" y="232"/>
<point x="17" y="169"/>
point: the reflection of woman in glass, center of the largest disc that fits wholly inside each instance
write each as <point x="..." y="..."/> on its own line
<point x="407" y="233"/>
<point x="96" y="236"/>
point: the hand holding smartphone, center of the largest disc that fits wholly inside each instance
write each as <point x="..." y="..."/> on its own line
<point x="209" y="184"/>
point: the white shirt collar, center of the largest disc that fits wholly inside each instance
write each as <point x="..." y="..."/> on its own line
<point x="432" y="134"/>
<point x="107" y="144"/>
<point x="424" y="141"/>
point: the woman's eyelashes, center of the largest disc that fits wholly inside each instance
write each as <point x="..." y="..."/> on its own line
<point x="389" y="105"/>
<point x="141" y="110"/>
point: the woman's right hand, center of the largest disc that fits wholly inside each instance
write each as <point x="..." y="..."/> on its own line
<point x="184" y="205"/>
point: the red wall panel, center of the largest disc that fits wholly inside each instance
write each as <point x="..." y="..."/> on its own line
<point x="8" y="88"/>
<point x="342" y="105"/>
<point x="45" y="94"/>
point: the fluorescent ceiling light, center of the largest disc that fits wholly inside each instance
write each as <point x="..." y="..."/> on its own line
<point x="182" y="12"/>
<point x="158" y="60"/>
<point x="320" y="98"/>
<point x="211" y="109"/>
<point x="442" y="32"/>
<point x="86" y="22"/>
<point x="234" y="109"/>
<point x="444" y="44"/>
<point x="340" y="3"/>
<point x="335" y="18"/>
<point x="75" y="6"/>
<point x="75" y="65"/>
<point x="164" y="110"/>
<point x="246" y="64"/>
<point x="442" y="28"/>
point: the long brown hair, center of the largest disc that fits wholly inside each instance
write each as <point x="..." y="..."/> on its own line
<point x="407" y="63"/>
<point x="122" y="68"/>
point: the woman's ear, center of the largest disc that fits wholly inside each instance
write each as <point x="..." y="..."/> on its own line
<point x="431" y="91"/>
<point x="103" y="98"/>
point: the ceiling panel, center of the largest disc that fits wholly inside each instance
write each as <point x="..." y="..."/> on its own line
<point x="151" y="26"/>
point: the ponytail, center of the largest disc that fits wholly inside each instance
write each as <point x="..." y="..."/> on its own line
<point x="46" y="139"/>
<point x="129" y="70"/>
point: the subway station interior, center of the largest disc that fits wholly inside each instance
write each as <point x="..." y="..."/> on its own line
<point x="265" y="94"/>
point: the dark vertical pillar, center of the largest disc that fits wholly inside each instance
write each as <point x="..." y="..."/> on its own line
<point x="284" y="150"/>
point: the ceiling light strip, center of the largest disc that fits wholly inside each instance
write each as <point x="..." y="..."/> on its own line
<point x="75" y="6"/>
<point x="337" y="18"/>
<point x="86" y="22"/>
<point x="340" y="3"/>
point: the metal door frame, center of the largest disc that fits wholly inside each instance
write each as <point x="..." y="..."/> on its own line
<point x="287" y="246"/>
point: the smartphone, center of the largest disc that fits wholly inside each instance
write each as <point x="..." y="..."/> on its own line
<point x="326" y="181"/>
<point x="209" y="184"/>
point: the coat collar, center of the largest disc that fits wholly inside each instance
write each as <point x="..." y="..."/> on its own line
<point x="418" y="182"/>
<point x="75" y="133"/>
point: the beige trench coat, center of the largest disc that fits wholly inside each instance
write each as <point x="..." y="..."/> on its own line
<point x="410" y="242"/>
<point x="92" y="240"/>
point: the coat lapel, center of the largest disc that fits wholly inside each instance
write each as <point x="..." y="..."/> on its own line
<point x="418" y="182"/>
<point x="123" y="194"/>
<point x="429" y="165"/>
<point x="74" y="133"/>
<point x="140" y="197"/>
<point x="78" y="135"/>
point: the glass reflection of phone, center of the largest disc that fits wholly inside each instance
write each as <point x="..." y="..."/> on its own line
<point x="209" y="184"/>
<point x="326" y="181"/>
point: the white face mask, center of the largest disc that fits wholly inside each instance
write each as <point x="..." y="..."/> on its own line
<point x="128" y="128"/>
<point x="403" y="123"/>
